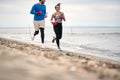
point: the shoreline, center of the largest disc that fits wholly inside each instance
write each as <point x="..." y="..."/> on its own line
<point x="69" y="53"/>
<point x="69" y="61"/>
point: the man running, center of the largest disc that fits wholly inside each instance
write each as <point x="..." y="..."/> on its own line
<point x="39" y="12"/>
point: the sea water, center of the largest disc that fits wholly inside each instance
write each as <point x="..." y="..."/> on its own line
<point x="99" y="41"/>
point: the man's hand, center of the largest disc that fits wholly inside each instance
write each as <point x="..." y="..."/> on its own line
<point x="39" y="12"/>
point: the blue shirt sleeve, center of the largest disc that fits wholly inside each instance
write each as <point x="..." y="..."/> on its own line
<point x="45" y="10"/>
<point x="33" y="10"/>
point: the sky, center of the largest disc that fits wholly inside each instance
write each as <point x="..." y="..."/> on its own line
<point x="16" y="13"/>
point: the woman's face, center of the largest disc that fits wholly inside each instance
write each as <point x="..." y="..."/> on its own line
<point x="57" y="8"/>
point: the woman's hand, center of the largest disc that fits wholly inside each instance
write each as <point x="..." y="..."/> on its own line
<point x="54" y="23"/>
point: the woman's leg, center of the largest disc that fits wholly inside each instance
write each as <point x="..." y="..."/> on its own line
<point x="59" y="34"/>
<point x="58" y="43"/>
<point x="56" y="30"/>
<point x="60" y="30"/>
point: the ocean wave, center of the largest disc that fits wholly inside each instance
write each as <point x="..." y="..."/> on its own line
<point x="94" y="48"/>
<point x="112" y="33"/>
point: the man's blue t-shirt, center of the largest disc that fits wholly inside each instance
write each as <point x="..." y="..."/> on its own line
<point x="38" y="7"/>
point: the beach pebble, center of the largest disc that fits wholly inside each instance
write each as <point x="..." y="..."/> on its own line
<point x="104" y="65"/>
<point x="92" y="63"/>
<point x="111" y="73"/>
<point x="83" y="61"/>
<point x="96" y="66"/>
<point x="28" y="48"/>
<point x="73" y="68"/>
<point x="68" y="54"/>
<point x="62" y="60"/>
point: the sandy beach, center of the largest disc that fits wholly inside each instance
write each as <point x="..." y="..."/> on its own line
<point x="24" y="61"/>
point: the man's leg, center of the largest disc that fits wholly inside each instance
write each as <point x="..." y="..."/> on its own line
<point x="42" y="34"/>
<point x="36" y="32"/>
<point x="36" y="26"/>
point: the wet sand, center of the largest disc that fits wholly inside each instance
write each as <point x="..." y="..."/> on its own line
<point x="24" y="61"/>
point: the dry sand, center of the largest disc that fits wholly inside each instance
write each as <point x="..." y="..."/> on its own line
<point x="23" y="61"/>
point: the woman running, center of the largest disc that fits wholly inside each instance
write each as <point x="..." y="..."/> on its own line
<point x="58" y="16"/>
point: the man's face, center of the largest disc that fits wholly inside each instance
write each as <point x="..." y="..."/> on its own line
<point x="43" y="1"/>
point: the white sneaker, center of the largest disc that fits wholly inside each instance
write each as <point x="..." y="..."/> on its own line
<point x="42" y="46"/>
<point x="54" y="38"/>
<point x="32" y="38"/>
<point x="59" y="49"/>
